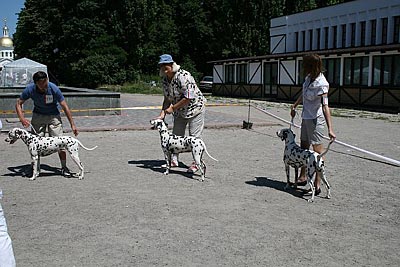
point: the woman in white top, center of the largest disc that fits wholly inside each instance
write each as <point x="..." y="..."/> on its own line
<point x="183" y="99"/>
<point x="316" y="111"/>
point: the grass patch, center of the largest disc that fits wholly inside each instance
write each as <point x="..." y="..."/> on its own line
<point x="135" y="88"/>
<point x="144" y="84"/>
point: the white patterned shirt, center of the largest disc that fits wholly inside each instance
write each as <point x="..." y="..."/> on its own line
<point x="182" y="86"/>
<point x="312" y="91"/>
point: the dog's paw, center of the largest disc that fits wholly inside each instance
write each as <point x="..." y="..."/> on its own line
<point x="310" y="200"/>
<point x="32" y="178"/>
<point x="166" y="172"/>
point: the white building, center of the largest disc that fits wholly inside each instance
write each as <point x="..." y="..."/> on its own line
<point x="6" y="47"/>
<point x="359" y="44"/>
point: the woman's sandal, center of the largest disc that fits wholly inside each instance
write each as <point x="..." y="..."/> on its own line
<point x="304" y="183"/>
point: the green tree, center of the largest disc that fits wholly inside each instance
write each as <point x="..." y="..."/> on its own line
<point x="93" y="42"/>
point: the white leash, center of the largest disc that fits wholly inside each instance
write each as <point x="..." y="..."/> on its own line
<point x="393" y="161"/>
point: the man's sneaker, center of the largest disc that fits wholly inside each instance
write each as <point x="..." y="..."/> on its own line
<point x="65" y="172"/>
<point x="174" y="164"/>
<point x="192" y="169"/>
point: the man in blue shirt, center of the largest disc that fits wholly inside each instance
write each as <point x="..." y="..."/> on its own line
<point x="46" y="118"/>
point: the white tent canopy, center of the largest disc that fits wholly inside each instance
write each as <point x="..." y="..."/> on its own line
<point x="20" y="72"/>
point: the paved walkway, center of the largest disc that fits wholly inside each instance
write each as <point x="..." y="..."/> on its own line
<point x="137" y="110"/>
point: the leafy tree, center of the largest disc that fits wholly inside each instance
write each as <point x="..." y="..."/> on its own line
<point x="93" y="42"/>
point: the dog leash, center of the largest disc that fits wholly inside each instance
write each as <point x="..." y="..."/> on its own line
<point x="392" y="161"/>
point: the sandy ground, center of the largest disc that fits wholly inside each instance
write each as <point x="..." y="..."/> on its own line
<point x="126" y="212"/>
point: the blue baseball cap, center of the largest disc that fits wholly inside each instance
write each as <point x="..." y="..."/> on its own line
<point x="165" y="59"/>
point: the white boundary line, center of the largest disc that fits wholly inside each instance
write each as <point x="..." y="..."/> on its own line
<point x="393" y="161"/>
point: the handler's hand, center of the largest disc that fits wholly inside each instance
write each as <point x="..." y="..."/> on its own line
<point x="25" y="122"/>
<point x="161" y="117"/>
<point x="292" y="112"/>
<point x="169" y="110"/>
<point x="332" y="136"/>
<point x="75" y="130"/>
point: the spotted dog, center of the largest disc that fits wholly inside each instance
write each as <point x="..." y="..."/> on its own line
<point x="297" y="157"/>
<point x="43" y="146"/>
<point x="174" y="144"/>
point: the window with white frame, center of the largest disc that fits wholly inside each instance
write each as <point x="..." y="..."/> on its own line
<point x="230" y="73"/>
<point x="396" y="29"/>
<point x="241" y="73"/>
<point x="362" y="33"/>
<point x="373" y="32"/>
<point x="343" y="26"/>
<point x="384" y="30"/>
<point x="332" y="70"/>
<point x="386" y="70"/>
<point x="352" y="34"/>
<point x="356" y="71"/>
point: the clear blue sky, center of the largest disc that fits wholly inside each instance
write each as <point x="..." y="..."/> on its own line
<point x="8" y="10"/>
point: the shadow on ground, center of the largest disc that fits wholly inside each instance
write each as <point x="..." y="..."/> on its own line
<point x="278" y="185"/>
<point x="45" y="171"/>
<point x="155" y="165"/>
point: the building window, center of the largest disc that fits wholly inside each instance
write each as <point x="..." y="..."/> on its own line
<point x="326" y="40"/>
<point x="270" y="78"/>
<point x="386" y="70"/>
<point x="241" y="73"/>
<point x="303" y="35"/>
<point x="318" y="39"/>
<point x="396" y="30"/>
<point x="384" y="31"/>
<point x="334" y="45"/>
<point x="373" y="32"/>
<point x="332" y="70"/>
<point x="310" y="38"/>
<point x="353" y="34"/>
<point x="356" y="71"/>
<point x="296" y="36"/>
<point x="362" y="33"/>
<point x="229" y="73"/>
<point x="343" y="35"/>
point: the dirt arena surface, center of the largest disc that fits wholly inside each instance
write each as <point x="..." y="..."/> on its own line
<point x="126" y="212"/>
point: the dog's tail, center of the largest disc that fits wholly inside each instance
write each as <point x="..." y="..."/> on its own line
<point x="205" y="149"/>
<point x="326" y="150"/>
<point x="93" y="148"/>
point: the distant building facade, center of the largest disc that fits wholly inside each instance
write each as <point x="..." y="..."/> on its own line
<point x="6" y="47"/>
<point x="359" y="42"/>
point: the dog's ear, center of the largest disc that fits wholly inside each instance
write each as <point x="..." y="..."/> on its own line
<point x="284" y="135"/>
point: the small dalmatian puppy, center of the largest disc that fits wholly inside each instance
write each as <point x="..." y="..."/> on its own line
<point x="173" y="144"/>
<point x="43" y="146"/>
<point x="297" y="157"/>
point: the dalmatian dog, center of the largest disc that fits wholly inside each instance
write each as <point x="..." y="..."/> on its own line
<point x="174" y="144"/>
<point x="43" y="146"/>
<point x="297" y="157"/>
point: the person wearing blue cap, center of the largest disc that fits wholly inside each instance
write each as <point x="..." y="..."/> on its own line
<point x="184" y="100"/>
